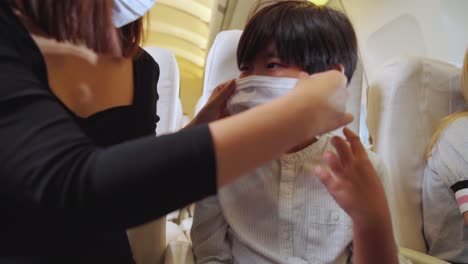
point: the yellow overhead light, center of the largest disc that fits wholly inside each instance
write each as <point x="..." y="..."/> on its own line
<point x="319" y="2"/>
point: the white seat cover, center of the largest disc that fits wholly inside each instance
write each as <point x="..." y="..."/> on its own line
<point x="221" y="63"/>
<point x="169" y="107"/>
<point x="221" y="66"/>
<point x="406" y="101"/>
<point x="148" y="241"/>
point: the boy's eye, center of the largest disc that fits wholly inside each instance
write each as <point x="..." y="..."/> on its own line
<point x="244" y="68"/>
<point x="274" y="65"/>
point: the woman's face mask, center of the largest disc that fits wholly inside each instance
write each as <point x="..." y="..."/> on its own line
<point x="256" y="90"/>
<point x="126" y="11"/>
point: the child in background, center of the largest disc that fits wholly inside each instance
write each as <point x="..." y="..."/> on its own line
<point x="445" y="185"/>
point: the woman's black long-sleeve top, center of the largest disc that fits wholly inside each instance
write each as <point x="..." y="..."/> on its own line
<point x="66" y="198"/>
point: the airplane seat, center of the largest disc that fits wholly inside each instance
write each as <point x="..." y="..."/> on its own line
<point x="169" y="107"/>
<point x="148" y="242"/>
<point x="221" y="66"/>
<point x="406" y="101"/>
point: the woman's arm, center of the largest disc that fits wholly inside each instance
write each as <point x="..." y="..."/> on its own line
<point x="47" y="163"/>
<point x="251" y="138"/>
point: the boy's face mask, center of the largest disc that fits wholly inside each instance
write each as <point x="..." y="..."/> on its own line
<point x="256" y="90"/>
<point x="126" y="11"/>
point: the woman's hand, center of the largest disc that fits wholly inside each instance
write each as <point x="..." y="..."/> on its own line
<point x="324" y="96"/>
<point x="215" y="108"/>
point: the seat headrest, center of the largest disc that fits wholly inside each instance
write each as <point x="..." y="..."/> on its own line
<point x="221" y="66"/>
<point x="221" y="63"/>
<point x="406" y="101"/>
<point x="168" y="107"/>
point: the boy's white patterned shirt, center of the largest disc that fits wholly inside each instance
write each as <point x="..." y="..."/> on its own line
<point x="281" y="213"/>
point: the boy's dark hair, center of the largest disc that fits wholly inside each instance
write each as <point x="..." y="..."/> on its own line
<point x="310" y="37"/>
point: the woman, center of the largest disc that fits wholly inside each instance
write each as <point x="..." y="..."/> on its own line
<point x="64" y="198"/>
<point x="445" y="185"/>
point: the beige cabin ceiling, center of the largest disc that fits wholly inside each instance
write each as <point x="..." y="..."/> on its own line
<point x="184" y="27"/>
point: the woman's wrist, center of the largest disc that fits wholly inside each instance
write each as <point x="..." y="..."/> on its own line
<point x="193" y="122"/>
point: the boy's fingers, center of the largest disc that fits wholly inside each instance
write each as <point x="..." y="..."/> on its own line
<point x="333" y="162"/>
<point x="342" y="149"/>
<point x="355" y="142"/>
<point x="325" y="177"/>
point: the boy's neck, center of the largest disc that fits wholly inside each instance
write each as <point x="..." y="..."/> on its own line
<point x="302" y="146"/>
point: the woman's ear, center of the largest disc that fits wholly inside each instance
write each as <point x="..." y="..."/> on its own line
<point x="338" y="67"/>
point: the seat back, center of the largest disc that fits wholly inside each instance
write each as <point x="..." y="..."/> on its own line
<point x="148" y="241"/>
<point x="221" y="66"/>
<point x="406" y="101"/>
<point x="169" y="107"/>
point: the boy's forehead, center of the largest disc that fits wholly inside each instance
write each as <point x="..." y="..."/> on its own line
<point x="270" y="51"/>
<point x="267" y="52"/>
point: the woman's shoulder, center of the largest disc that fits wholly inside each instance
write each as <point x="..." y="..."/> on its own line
<point x="22" y="68"/>
<point x="146" y="74"/>
<point x="144" y="62"/>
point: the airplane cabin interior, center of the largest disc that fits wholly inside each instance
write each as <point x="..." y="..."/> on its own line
<point x="407" y="79"/>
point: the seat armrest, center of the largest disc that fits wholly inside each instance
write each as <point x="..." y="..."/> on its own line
<point x="420" y="258"/>
<point x="179" y="252"/>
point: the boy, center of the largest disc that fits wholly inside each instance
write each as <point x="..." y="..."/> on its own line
<point x="283" y="214"/>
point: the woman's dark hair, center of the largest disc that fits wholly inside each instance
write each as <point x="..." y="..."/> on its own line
<point x="305" y="35"/>
<point x="77" y="21"/>
<point x="130" y="36"/>
<point x="81" y="22"/>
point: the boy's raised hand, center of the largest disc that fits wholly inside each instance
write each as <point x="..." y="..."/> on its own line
<point x="356" y="187"/>
<point x="352" y="180"/>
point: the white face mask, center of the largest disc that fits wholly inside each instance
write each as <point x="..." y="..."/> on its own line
<point x="126" y="11"/>
<point x="256" y="90"/>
